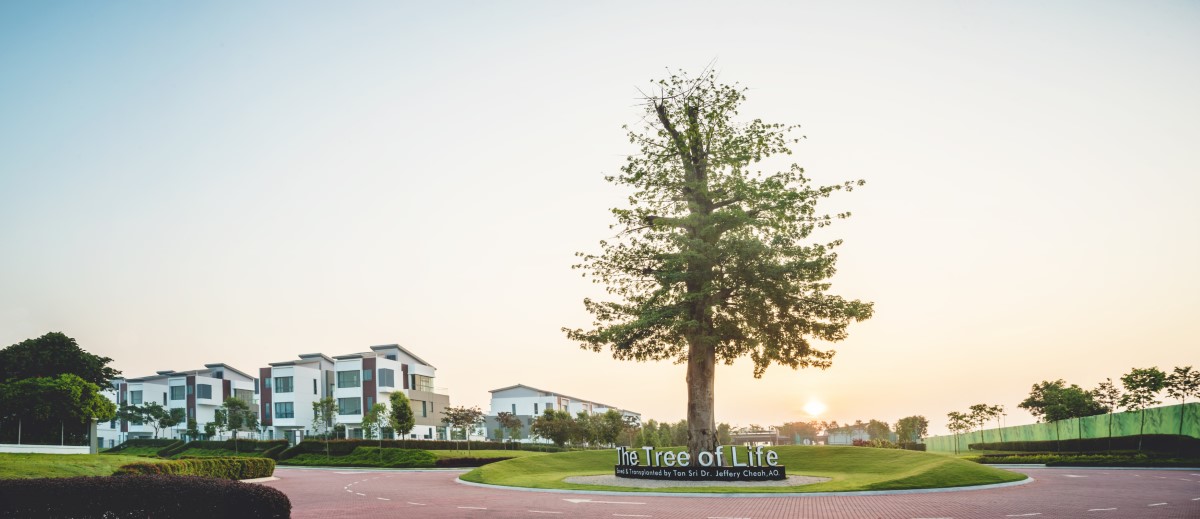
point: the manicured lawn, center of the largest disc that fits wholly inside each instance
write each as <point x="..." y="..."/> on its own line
<point x="218" y="453"/>
<point x="850" y="469"/>
<point x="486" y="454"/>
<point x="24" y="466"/>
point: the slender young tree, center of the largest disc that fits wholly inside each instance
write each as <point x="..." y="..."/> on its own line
<point x="1108" y="396"/>
<point x="710" y="263"/>
<point x="401" y="417"/>
<point x="1141" y="389"/>
<point x="508" y="422"/>
<point x="372" y="424"/>
<point x="957" y="423"/>
<point x="325" y="413"/>
<point x="1180" y="384"/>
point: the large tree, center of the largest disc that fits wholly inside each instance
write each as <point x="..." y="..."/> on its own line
<point x="51" y="355"/>
<point x="911" y="429"/>
<point x="712" y="261"/>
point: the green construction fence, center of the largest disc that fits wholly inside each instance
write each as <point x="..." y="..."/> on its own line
<point x="1159" y="420"/>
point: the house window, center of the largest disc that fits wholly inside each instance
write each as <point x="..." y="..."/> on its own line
<point x="423" y="383"/>
<point x="284" y="410"/>
<point x="266" y="383"/>
<point x="135" y="397"/>
<point x="204" y="390"/>
<point x="219" y="374"/>
<point x="191" y="390"/>
<point x="176" y="392"/>
<point x="387" y="377"/>
<point x="164" y="398"/>
<point x="314" y="386"/>
<point x="424" y="411"/>
<point x="347" y="378"/>
<point x="350" y="405"/>
<point x="367" y="375"/>
<point x="390" y="356"/>
<point x="535" y="411"/>
<point x="283" y="384"/>
<point x="514" y="409"/>
<point x="370" y="401"/>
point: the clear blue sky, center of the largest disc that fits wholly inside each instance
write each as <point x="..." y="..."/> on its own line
<point x="185" y="183"/>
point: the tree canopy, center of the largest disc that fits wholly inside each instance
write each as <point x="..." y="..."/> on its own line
<point x="51" y="355"/>
<point x="713" y="261"/>
<point x="400" y="417"/>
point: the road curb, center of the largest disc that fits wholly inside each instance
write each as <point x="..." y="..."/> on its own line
<point x="1028" y="479"/>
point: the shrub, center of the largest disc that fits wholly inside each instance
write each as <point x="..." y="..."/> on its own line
<point x="142" y="442"/>
<point x="226" y="468"/>
<point x="466" y="462"/>
<point x="368" y="457"/>
<point x="181" y="497"/>
<point x="1084" y="460"/>
<point x="912" y="446"/>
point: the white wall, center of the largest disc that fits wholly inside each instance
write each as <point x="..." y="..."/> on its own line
<point x="44" y="449"/>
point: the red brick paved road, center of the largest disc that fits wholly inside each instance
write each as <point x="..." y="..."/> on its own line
<point x="1096" y="493"/>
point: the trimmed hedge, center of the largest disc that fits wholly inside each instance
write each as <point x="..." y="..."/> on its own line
<point x="1166" y="443"/>
<point x="172" y="449"/>
<point x="225" y="468"/>
<point x="181" y="497"/>
<point x="368" y="457"/>
<point x="466" y="462"/>
<point x="1084" y="460"/>
<point x="344" y="447"/>
<point x="142" y="442"/>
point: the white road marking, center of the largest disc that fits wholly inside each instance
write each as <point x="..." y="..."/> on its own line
<point x="360" y="493"/>
<point x="728" y="518"/>
<point x="1023" y="515"/>
<point x="1100" y="509"/>
<point x="577" y="501"/>
<point x="472" y="508"/>
<point x="1157" y="504"/>
<point x="417" y="504"/>
<point x="1196" y="499"/>
<point x="1074" y="476"/>
<point x="349" y="472"/>
<point x="348" y="490"/>
<point x="542" y="512"/>
<point x="383" y="499"/>
<point x="630" y="515"/>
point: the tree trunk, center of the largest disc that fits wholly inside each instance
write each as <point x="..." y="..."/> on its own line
<point x="1142" y="429"/>
<point x="701" y="379"/>
<point x="1110" y="417"/>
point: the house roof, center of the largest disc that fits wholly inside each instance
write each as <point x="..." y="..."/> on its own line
<point x="403" y="349"/>
<point x="227" y="367"/>
<point x="555" y="393"/>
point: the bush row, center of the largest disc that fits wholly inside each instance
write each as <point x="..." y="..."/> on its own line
<point x="1084" y="460"/>
<point x="242" y="445"/>
<point x="466" y="462"/>
<point x="344" y="447"/>
<point x="142" y="442"/>
<point x="368" y="457"/>
<point x="182" y="497"/>
<point x="1169" y="443"/>
<point x="226" y="468"/>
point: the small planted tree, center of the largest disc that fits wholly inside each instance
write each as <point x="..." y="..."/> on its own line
<point x="1108" y="396"/>
<point x="172" y="418"/>
<point x="509" y="422"/>
<point x="958" y="422"/>
<point x="237" y="415"/>
<point x="1180" y="384"/>
<point x="154" y="415"/>
<point x="558" y="427"/>
<point x="401" y="417"/>
<point x="911" y="429"/>
<point x="220" y="420"/>
<point x="325" y="413"/>
<point x="372" y="424"/>
<point x="1141" y="389"/>
<point x="462" y="418"/>
<point x="193" y="430"/>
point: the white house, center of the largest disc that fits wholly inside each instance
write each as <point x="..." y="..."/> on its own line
<point x="356" y="381"/>
<point x="528" y="402"/>
<point x="197" y="392"/>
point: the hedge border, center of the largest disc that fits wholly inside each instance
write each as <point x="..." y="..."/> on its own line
<point x="224" y="468"/>
<point x="178" y="497"/>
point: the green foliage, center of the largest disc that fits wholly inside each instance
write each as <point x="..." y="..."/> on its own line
<point x="373" y="420"/>
<point x="878" y="430"/>
<point x="402" y="420"/>
<point x="1153" y="443"/>
<point x="463" y="418"/>
<point x="555" y="425"/>
<point x="710" y="263"/>
<point x="912" y="429"/>
<point x="364" y="456"/>
<point x="226" y="468"/>
<point x="1054" y="401"/>
<point x="52" y="355"/>
<point x="509" y="422"/>
<point x="177" y="497"/>
<point x="27" y="465"/>
<point x="1085" y="460"/>
<point x="1141" y="386"/>
<point x="325" y="413"/>
<point x="48" y="406"/>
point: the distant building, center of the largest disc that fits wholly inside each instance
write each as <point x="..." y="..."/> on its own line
<point x="356" y="381"/>
<point x="528" y="403"/>
<point x="198" y="392"/>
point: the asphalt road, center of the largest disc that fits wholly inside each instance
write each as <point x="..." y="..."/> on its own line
<point x="1090" y="493"/>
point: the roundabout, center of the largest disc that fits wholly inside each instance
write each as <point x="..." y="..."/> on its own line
<point x="1053" y="492"/>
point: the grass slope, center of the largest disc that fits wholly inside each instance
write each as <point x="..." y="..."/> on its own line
<point x="218" y="453"/>
<point x="134" y="451"/>
<point x="850" y="469"/>
<point x="25" y="466"/>
<point x="486" y="454"/>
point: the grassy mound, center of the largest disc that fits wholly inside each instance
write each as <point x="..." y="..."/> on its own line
<point x="367" y="457"/>
<point x="486" y="454"/>
<point x="25" y="466"/>
<point x="849" y="469"/>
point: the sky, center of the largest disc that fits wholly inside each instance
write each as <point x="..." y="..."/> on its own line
<point x="186" y="183"/>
